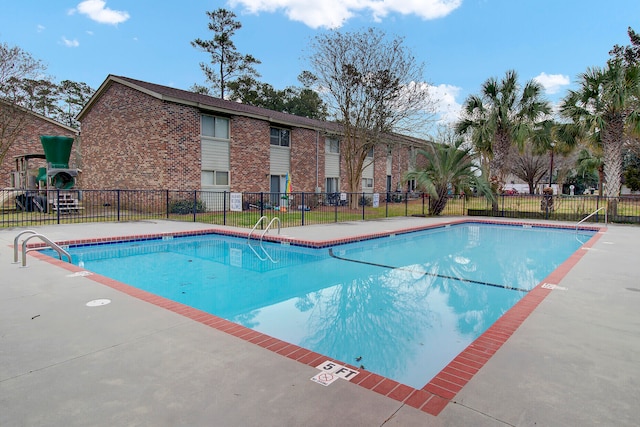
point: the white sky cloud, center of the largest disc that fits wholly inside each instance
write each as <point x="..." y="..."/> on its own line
<point x="447" y="108"/>
<point x="334" y="13"/>
<point x="552" y="83"/>
<point x="70" y="43"/>
<point x="40" y="28"/>
<point x="97" y="11"/>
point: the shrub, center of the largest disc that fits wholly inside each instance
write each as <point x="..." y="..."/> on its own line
<point x="365" y="201"/>
<point x="185" y="206"/>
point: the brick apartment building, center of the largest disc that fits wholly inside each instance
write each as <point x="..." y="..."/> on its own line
<point x="140" y="135"/>
<point x="32" y="126"/>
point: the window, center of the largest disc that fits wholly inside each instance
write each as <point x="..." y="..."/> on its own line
<point x="220" y="178"/>
<point x="367" y="182"/>
<point x="280" y="137"/>
<point x="370" y="153"/>
<point x="332" y="185"/>
<point x="412" y="158"/>
<point x="332" y="145"/>
<point x="215" y="127"/>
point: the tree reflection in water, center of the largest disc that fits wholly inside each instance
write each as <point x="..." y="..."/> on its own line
<point x="402" y="306"/>
<point x="396" y="320"/>
<point x="362" y="318"/>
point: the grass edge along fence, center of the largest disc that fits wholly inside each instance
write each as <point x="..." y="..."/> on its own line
<point x="26" y="208"/>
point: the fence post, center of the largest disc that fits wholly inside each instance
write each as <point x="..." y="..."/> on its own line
<point x="224" y="207"/>
<point x="406" y="204"/>
<point x="58" y="204"/>
<point x="386" y="206"/>
<point x="363" y="205"/>
<point x="195" y="204"/>
<point x="167" y="203"/>
<point x="118" y="204"/>
<point x="261" y="204"/>
<point x="303" y="208"/>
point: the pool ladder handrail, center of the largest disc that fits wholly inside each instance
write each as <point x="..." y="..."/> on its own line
<point x="262" y="218"/>
<point x="592" y="214"/>
<point x="267" y="256"/>
<point x="42" y="237"/>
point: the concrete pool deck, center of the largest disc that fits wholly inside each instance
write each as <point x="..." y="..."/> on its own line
<point x="574" y="360"/>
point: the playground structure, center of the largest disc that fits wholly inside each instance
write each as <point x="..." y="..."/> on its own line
<point x="44" y="182"/>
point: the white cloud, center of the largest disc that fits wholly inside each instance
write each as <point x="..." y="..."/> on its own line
<point x="447" y="108"/>
<point x="97" y="11"/>
<point x="425" y="9"/>
<point x="334" y="13"/>
<point x="40" y="28"/>
<point x="552" y="83"/>
<point x="70" y="43"/>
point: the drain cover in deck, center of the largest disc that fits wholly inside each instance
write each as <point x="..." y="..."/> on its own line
<point x="98" y="302"/>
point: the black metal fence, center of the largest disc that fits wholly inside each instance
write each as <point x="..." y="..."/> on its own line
<point x="25" y="208"/>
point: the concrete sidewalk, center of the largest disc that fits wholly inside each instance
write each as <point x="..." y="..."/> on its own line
<point x="574" y="360"/>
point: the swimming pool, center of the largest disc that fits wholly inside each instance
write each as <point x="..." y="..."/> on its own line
<point x="401" y="306"/>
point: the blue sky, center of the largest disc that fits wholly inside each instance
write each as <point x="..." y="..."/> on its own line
<point x="461" y="42"/>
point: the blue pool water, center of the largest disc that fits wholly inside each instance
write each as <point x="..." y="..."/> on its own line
<point x="401" y="306"/>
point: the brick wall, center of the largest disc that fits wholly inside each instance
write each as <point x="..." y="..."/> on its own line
<point x="184" y="151"/>
<point x="380" y="169"/>
<point x="28" y="142"/>
<point x="249" y="154"/>
<point x="131" y="140"/>
<point x="400" y="167"/>
<point x="134" y="141"/>
<point x="399" y="164"/>
<point x="305" y="159"/>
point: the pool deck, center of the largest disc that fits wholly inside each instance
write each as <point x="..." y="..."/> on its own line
<point x="573" y="357"/>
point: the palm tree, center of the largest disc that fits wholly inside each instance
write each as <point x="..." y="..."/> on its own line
<point x="503" y="115"/>
<point x="606" y="108"/>
<point x="590" y="162"/>
<point x="448" y="167"/>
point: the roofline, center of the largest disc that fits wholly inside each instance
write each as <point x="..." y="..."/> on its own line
<point x="320" y="125"/>
<point x="40" y="116"/>
<point x="111" y="78"/>
<point x="94" y="97"/>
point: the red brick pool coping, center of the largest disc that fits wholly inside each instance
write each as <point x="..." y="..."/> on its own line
<point x="435" y="395"/>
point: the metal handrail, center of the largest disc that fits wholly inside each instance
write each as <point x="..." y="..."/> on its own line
<point x="256" y="226"/>
<point x="45" y="239"/>
<point x="592" y="214"/>
<point x="256" y="252"/>
<point x="275" y="218"/>
<point x="15" y="243"/>
<point x="267" y="256"/>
